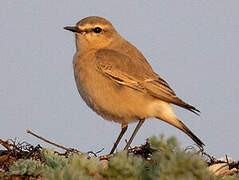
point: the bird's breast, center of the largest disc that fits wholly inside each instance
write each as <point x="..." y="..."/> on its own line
<point x="109" y="99"/>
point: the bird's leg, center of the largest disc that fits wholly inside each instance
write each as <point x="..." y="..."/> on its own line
<point x="141" y="121"/>
<point x="124" y="127"/>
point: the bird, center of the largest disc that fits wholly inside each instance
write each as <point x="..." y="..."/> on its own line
<point x="116" y="81"/>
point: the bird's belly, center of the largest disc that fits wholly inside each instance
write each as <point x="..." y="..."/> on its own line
<point x="111" y="100"/>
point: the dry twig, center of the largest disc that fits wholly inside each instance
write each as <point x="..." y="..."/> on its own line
<point x="54" y="144"/>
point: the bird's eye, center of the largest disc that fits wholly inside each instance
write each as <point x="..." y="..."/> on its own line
<point x="97" y="30"/>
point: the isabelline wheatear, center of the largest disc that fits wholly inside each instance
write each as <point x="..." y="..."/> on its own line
<point x="118" y="83"/>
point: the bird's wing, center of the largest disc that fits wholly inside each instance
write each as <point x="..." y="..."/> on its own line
<point x="134" y="74"/>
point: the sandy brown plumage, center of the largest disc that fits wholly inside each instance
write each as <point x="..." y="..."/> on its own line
<point x="118" y="83"/>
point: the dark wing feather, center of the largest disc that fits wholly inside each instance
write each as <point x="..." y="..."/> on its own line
<point x="135" y="74"/>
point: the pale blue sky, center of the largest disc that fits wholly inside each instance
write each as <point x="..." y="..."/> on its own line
<point x="191" y="44"/>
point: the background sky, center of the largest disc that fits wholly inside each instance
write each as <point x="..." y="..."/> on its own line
<point x="193" y="45"/>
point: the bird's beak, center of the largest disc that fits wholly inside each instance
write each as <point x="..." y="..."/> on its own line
<point x="73" y="29"/>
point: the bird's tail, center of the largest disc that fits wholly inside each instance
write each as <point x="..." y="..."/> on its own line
<point x="179" y="124"/>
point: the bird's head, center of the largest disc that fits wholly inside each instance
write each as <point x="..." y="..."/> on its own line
<point x="93" y="33"/>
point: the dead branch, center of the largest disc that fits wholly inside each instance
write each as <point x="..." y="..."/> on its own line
<point x="52" y="143"/>
<point x="5" y="144"/>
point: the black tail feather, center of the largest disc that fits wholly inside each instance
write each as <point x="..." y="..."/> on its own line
<point x="191" y="135"/>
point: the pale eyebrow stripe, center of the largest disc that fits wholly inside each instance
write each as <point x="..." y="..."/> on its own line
<point x="89" y="26"/>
